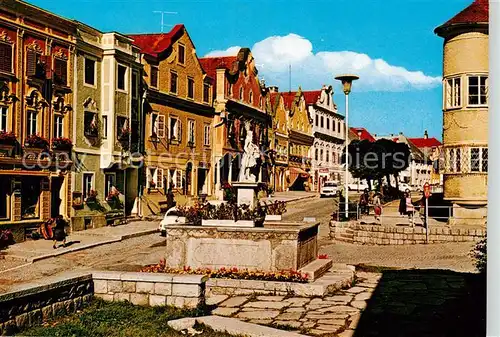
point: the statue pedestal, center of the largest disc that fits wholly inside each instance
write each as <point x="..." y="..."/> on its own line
<point x="246" y="193"/>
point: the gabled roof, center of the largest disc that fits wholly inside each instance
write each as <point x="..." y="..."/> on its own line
<point x="362" y="133"/>
<point x="425" y="142"/>
<point x="475" y="13"/>
<point x="155" y="44"/>
<point x="312" y="96"/>
<point x="211" y="64"/>
<point x="289" y="98"/>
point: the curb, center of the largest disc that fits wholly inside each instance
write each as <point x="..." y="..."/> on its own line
<point x="76" y="249"/>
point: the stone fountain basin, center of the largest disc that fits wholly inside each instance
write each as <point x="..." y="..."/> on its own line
<point x="275" y="246"/>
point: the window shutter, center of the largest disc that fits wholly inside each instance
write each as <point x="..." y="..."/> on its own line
<point x="61" y="70"/>
<point x="148" y="178"/>
<point x="5" y="57"/>
<point x="160" y="127"/>
<point x="30" y="63"/>
<point x="179" y="130"/>
<point x="159" y="178"/>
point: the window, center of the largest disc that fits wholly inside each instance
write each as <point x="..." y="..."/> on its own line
<point x="317" y="120"/>
<point x="34" y="65"/>
<point x="478" y="90"/>
<point x="241" y="94"/>
<point x="206" y="135"/>
<point x="154" y="77"/>
<point x="89" y="75"/>
<point x="316" y="154"/>
<point x="321" y="155"/>
<point x="182" y="53"/>
<point x="6" y="57"/>
<point x="206" y="92"/>
<point x="328" y="123"/>
<point x="251" y="97"/>
<point x="484" y="160"/>
<point x="178" y="178"/>
<point x="135" y="85"/>
<point x="453" y="93"/>
<point x="32" y="122"/>
<point x="190" y="93"/>
<point x="173" y="82"/>
<point x="90" y="124"/>
<point x="122" y="128"/>
<point x="175" y="129"/>
<point x="155" y="177"/>
<point x="191" y="132"/>
<point x="333" y="125"/>
<point x="327" y="156"/>
<point x="122" y="73"/>
<point x="58" y="126"/>
<point x="322" y="122"/>
<point x="4" y="112"/>
<point x="451" y="163"/>
<point x="104" y="127"/>
<point x="157" y="125"/>
<point x="60" y="72"/>
<point x="458" y="156"/>
<point x="109" y="182"/>
<point x="88" y="184"/>
<point x="479" y="159"/>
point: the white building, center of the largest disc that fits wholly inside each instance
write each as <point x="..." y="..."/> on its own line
<point x="329" y="136"/>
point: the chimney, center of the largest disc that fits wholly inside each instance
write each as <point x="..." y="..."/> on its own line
<point x="426" y="135"/>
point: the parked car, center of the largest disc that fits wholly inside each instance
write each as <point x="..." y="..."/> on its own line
<point x="171" y="218"/>
<point x="329" y="189"/>
<point x="404" y="186"/>
<point x="361" y="186"/>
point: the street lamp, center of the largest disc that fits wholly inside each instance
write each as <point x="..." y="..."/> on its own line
<point x="347" y="84"/>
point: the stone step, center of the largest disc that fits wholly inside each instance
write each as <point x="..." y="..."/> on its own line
<point x="316" y="269"/>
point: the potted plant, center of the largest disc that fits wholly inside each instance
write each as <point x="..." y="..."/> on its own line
<point x="91" y="197"/>
<point x="36" y="142"/>
<point x="275" y="210"/>
<point x="62" y="144"/>
<point x="228" y="191"/>
<point x="8" y="138"/>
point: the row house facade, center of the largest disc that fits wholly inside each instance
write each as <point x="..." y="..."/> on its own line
<point x="329" y="137"/>
<point x="178" y="119"/>
<point x="240" y="102"/>
<point x="37" y="53"/>
<point x="301" y="140"/>
<point x="279" y="140"/>
<point x="465" y="112"/>
<point x="106" y="130"/>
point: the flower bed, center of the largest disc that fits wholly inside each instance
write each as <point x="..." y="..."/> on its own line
<point x="228" y="211"/>
<point x="231" y="273"/>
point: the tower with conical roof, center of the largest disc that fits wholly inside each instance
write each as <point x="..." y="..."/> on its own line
<point x="465" y="112"/>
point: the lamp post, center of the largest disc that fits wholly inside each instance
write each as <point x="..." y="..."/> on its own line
<point x="347" y="84"/>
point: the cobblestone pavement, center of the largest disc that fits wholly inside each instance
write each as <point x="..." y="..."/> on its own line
<point x="392" y="303"/>
<point x="127" y="255"/>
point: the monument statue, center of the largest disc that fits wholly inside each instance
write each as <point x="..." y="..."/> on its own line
<point x="250" y="155"/>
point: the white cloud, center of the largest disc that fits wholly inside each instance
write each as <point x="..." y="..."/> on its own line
<point x="274" y="54"/>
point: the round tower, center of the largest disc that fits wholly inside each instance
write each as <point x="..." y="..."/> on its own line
<point x="465" y="112"/>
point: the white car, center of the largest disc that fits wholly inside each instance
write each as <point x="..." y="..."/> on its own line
<point x="404" y="186"/>
<point x="360" y="187"/>
<point x="171" y="218"/>
<point x="329" y="189"/>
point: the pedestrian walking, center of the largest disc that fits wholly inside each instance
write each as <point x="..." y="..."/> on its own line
<point x="409" y="207"/>
<point x="364" y="202"/>
<point x="377" y="206"/>
<point x="59" y="231"/>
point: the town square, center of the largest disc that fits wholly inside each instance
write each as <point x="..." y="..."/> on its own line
<point x="243" y="169"/>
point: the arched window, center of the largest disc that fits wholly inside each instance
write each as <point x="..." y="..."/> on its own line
<point x="316" y="154"/>
<point x="251" y="97"/>
<point x="241" y="94"/>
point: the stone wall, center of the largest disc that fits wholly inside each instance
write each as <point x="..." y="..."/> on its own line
<point x="151" y="289"/>
<point x="33" y="303"/>
<point x="354" y="232"/>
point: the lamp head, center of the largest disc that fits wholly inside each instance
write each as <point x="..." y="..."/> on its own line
<point x="347" y="82"/>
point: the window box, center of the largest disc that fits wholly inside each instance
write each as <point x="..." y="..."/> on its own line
<point x="92" y="197"/>
<point x="36" y="142"/>
<point x="62" y="144"/>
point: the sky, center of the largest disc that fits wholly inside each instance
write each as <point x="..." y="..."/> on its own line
<point x="389" y="44"/>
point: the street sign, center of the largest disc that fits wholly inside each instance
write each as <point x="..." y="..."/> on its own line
<point x="427" y="190"/>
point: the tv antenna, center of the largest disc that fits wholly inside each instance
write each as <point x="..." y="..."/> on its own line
<point x="162" y="18"/>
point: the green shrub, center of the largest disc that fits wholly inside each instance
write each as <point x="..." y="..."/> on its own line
<point x="478" y="253"/>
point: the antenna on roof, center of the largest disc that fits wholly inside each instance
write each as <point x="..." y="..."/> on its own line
<point x="162" y="21"/>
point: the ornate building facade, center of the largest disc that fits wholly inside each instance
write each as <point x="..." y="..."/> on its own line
<point x="465" y="112"/>
<point x="37" y="53"/>
<point x="300" y="141"/>
<point x="279" y="140"/>
<point x="329" y="137"/>
<point x="239" y="97"/>
<point x="179" y="118"/>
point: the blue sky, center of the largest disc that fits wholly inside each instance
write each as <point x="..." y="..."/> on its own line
<point x="390" y="43"/>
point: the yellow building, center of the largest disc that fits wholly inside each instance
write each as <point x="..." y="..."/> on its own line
<point x="279" y="141"/>
<point x="300" y="126"/>
<point x="178" y="125"/>
<point x="465" y="112"/>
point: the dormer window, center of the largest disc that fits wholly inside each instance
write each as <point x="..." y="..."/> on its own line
<point x="182" y="54"/>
